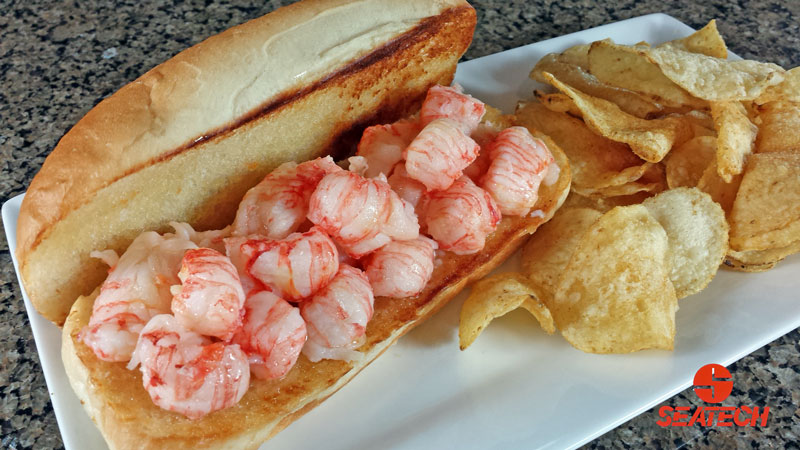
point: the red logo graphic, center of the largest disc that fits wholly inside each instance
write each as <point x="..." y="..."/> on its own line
<point x="719" y="380"/>
<point x="713" y="384"/>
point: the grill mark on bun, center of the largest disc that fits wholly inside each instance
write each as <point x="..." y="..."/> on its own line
<point x="426" y="28"/>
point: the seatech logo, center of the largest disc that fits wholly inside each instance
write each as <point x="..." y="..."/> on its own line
<point x="713" y="384"/>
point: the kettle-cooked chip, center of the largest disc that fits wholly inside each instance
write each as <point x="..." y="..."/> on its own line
<point x="735" y="137"/>
<point x="702" y="123"/>
<point x="596" y="162"/>
<point x="788" y="89"/>
<point x="629" y="101"/>
<point x="779" y="127"/>
<point x="652" y="181"/>
<point x="604" y="204"/>
<point x="495" y="296"/>
<point x="649" y="139"/>
<point x="557" y="102"/>
<point x="766" y="212"/>
<point x="715" y="79"/>
<point x="735" y="264"/>
<point x="615" y="295"/>
<point x="629" y="68"/>
<point x="706" y="40"/>
<point x="761" y="258"/>
<point x="697" y="233"/>
<point x="548" y="250"/>
<point x="723" y="193"/>
<point x="686" y="163"/>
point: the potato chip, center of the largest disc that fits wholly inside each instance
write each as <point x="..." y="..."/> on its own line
<point x="497" y="119"/>
<point x="649" y="139"/>
<point x="735" y="137"/>
<point x="716" y="79"/>
<point x="686" y="163"/>
<point x="548" y="250"/>
<point x="766" y="212"/>
<point x="604" y="204"/>
<point x="779" y="127"/>
<point x="788" y="89"/>
<point x="733" y="263"/>
<point x="577" y="55"/>
<point x="763" y="257"/>
<point x="720" y="191"/>
<point x="652" y="181"/>
<point x="495" y="296"/>
<point x="557" y="102"/>
<point x="702" y="123"/>
<point x="706" y="41"/>
<point x="595" y="161"/>
<point x="629" y="101"/>
<point x="629" y="68"/>
<point x="697" y="234"/>
<point x="615" y="295"/>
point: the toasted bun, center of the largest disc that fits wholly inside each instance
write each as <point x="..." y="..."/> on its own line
<point x="298" y="81"/>
<point x="188" y="138"/>
<point x="116" y="401"/>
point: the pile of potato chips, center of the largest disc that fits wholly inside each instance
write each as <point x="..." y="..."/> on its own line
<point x="718" y="140"/>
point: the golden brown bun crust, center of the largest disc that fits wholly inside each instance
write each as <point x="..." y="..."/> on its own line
<point x="115" y="399"/>
<point x="188" y="154"/>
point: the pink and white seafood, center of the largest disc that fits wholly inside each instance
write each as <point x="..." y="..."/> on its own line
<point x="213" y="239"/>
<point x="210" y="299"/>
<point x="293" y="268"/>
<point x="278" y="205"/>
<point x="187" y="373"/>
<point x="406" y="187"/>
<point x="483" y="135"/>
<point x="439" y="154"/>
<point x="361" y="214"/>
<point x="272" y="335"/>
<point x="460" y="218"/>
<point x="401" y="268"/>
<point x="337" y="316"/>
<point x="452" y="103"/>
<point x="382" y="145"/>
<point x="519" y="163"/>
<point x="137" y="288"/>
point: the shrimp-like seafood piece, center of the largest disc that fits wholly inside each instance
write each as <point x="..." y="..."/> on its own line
<point x="401" y="268"/>
<point x="483" y="135"/>
<point x="361" y="214"/>
<point x="452" y="103"/>
<point x="406" y="187"/>
<point x="210" y="299"/>
<point x="278" y="205"/>
<point x="213" y="239"/>
<point x="272" y="335"/>
<point x="293" y="268"/>
<point x="185" y="372"/>
<point x="137" y="288"/>
<point x="460" y="218"/>
<point x="337" y="316"/>
<point x="357" y="164"/>
<point x="383" y="145"/>
<point x="233" y="248"/>
<point x="519" y="163"/>
<point x="439" y="154"/>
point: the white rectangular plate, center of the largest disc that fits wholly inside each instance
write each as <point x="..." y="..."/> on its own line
<point x="516" y="387"/>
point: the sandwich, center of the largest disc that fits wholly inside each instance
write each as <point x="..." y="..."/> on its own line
<point x="186" y="141"/>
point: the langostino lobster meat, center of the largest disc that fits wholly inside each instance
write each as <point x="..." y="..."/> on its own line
<point x="311" y="247"/>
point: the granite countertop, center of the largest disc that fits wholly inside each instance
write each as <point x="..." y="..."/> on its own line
<point x="59" y="58"/>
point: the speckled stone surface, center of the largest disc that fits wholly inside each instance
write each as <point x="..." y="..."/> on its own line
<point x="58" y="59"/>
